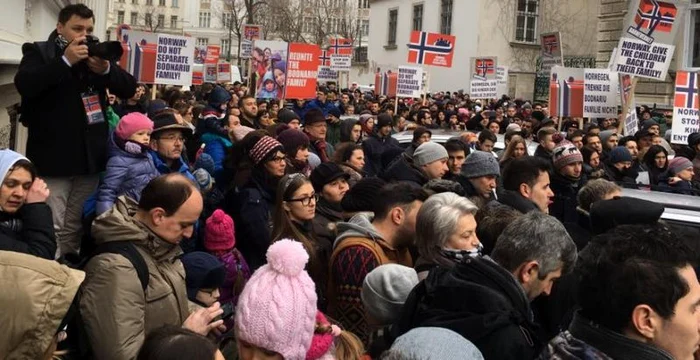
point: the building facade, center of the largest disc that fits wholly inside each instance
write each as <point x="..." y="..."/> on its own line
<point x="163" y="16"/>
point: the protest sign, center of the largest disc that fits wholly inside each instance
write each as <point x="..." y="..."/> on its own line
<point x="250" y="33"/>
<point x="213" y="53"/>
<point x="434" y="49"/>
<point x="685" y="107"/>
<point x="385" y="80"/>
<point x="409" y="81"/>
<point x="235" y="74"/>
<point x="631" y="122"/>
<point x="599" y="93"/>
<point x="566" y="92"/>
<point x="341" y="62"/>
<point x="266" y="71"/>
<point x="210" y="73"/>
<point x="198" y="77"/>
<point x="325" y="74"/>
<point x="502" y="79"/>
<point x="200" y="54"/>
<point x="483" y="68"/>
<point x="483" y="89"/>
<point x="154" y="58"/>
<point x="302" y="70"/>
<point x="550" y="52"/>
<point x="223" y="72"/>
<point x="649" y="29"/>
<point x="246" y="48"/>
<point x="340" y="46"/>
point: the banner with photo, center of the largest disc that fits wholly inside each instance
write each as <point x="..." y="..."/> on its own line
<point x="269" y="68"/>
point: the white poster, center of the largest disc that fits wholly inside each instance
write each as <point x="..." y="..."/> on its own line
<point x="341" y="62"/>
<point x="325" y="74"/>
<point x="636" y="58"/>
<point x="502" y="78"/>
<point x="483" y="89"/>
<point x="599" y="93"/>
<point x="409" y="82"/>
<point x="175" y="59"/>
<point x="685" y="107"/>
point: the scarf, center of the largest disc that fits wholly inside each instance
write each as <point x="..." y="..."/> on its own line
<point x="321" y="146"/>
<point x="61" y="42"/>
<point x="462" y="255"/>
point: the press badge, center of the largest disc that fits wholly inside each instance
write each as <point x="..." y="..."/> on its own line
<point x="93" y="109"/>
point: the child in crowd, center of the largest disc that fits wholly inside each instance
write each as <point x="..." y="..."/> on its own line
<point x="129" y="167"/>
<point x="269" y="87"/>
<point x="331" y="343"/>
<point x="204" y="275"/>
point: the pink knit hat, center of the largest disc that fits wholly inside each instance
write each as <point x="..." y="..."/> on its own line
<point x="131" y="123"/>
<point x="277" y="308"/>
<point x="219" y="233"/>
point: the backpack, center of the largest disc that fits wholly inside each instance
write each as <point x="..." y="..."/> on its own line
<point x="77" y="342"/>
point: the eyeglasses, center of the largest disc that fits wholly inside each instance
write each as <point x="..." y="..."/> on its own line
<point x="278" y="159"/>
<point x="173" y="138"/>
<point x="307" y="200"/>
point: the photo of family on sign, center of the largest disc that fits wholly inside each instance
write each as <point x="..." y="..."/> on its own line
<point x="269" y="69"/>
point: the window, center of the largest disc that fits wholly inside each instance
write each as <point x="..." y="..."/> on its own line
<point x="363" y="4"/>
<point x="526" y="22"/>
<point x="202" y="41"/>
<point x="691" y="50"/>
<point x="149" y="2"/>
<point x="205" y="1"/>
<point x="446" y="16"/>
<point x="225" y="47"/>
<point x="120" y="17"/>
<point x="121" y="1"/>
<point x="364" y="27"/>
<point x="393" y="22"/>
<point x="161" y="20"/>
<point x="148" y="19"/>
<point x="175" y="3"/>
<point x="360" y="54"/>
<point x="334" y="25"/>
<point x="134" y="18"/>
<point x="307" y="26"/>
<point x="204" y="19"/>
<point x="418" y="17"/>
<point x="226" y="20"/>
<point x="135" y="2"/>
<point x="173" y="21"/>
<point x="161" y="2"/>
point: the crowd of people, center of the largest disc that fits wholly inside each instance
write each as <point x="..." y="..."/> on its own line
<point x="206" y="224"/>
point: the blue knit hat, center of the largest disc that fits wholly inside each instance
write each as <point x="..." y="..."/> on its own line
<point x="206" y="162"/>
<point x="619" y="154"/>
<point x="202" y="271"/>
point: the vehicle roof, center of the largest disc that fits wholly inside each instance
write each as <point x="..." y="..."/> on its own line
<point x="441" y="136"/>
<point x="679" y="208"/>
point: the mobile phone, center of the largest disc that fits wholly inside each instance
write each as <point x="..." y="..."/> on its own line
<point x="228" y="311"/>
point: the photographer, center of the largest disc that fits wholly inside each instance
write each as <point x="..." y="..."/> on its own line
<point x="63" y="89"/>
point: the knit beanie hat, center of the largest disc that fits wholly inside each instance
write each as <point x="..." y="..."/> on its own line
<point x="564" y="154"/>
<point x="206" y="162"/>
<point x="678" y="164"/>
<point x="277" y="308"/>
<point x="326" y="173"/>
<point x="313" y="116"/>
<point x="202" y="271"/>
<point x="203" y="179"/>
<point x="385" y="289"/>
<point x="219" y="233"/>
<point x="419" y="131"/>
<point x="383" y="120"/>
<point x="239" y="132"/>
<point x="132" y="123"/>
<point x="432" y="343"/>
<point x="480" y="163"/>
<point x="286" y="116"/>
<point x="334" y="111"/>
<point x="606" y="134"/>
<point x="619" y="154"/>
<point x="322" y="341"/>
<point x="429" y="152"/>
<point x="263" y="148"/>
<point x="362" y="196"/>
<point x="693" y="139"/>
<point x="292" y="140"/>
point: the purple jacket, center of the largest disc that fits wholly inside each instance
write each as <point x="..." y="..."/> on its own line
<point x="237" y="270"/>
<point x="126" y="174"/>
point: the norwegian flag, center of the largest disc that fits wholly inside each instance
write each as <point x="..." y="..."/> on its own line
<point x="325" y="57"/>
<point x="93" y="109"/>
<point x="385" y="83"/>
<point x="686" y="95"/>
<point x="550" y="44"/>
<point x="340" y="46"/>
<point x="484" y="67"/>
<point x="654" y="15"/>
<point x="431" y="49"/>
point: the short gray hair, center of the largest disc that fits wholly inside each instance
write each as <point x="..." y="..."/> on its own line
<point x="437" y="220"/>
<point x="539" y="237"/>
<point x="595" y="190"/>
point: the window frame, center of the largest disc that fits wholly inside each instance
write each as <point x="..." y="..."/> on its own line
<point x="224" y="50"/>
<point x="206" y="15"/>
<point x="527" y="18"/>
<point x="443" y="17"/>
<point x="689" y="36"/>
<point x="123" y="16"/>
<point x="161" y="2"/>
<point x="414" y="19"/>
<point x="134" y="18"/>
<point x="204" y="42"/>
<point x="392" y="35"/>
<point x="173" y="21"/>
<point x="175" y="4"/>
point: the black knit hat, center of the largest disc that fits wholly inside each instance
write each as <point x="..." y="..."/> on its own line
<point x="607" y="214"/>
<point x="286" y="116"/>
<point x="203" y="271"/>
<point x="693" y="139"/>
<point x="326" y="173"/>
<point x="362" y="196"/>
<point x="419" y="131"/>
<point x="383" y="120"/>
<point x="292" y="140"/>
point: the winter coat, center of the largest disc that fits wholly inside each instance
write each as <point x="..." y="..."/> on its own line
<point x="627" y="179"/>
<point x="127" y="174"/>
<point x="346" y="130"/>
<point x="373" y="147"/>
<point x="117" y="312"/>
<point x="326" y="219"/>
<point x="591" y="173"/>
<point x="333" y="133"/>
<point x="125" y="108"/>
<point x="565" y="199"/>
<point x="313" y="148"/>
<point x="542" y="153"/>
<point x="30" y="231"/>
<point x="53" y="111"/>
<point x="586" y="340"/>
<point x="264" y="93"/>
<point x="237" y="275"/>
<point x="514" y="200"/>
<point x="36" y="296"/>
<point x="682" y="187"/>
<point x="481" y="301"/>
<point x="217" y="147"/>
<point x="251" y="208"/>
<point x="403" y="170"/>
<point x="163" y="168"/>
<point x="325" y="107"/>
<point x="355" y="174"/>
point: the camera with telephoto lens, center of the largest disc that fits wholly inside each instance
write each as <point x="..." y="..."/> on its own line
<point x="107" y="50"/>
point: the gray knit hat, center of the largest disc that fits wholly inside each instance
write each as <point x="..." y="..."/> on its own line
<point x="606" y="134"/>
<point x="385" y="290"/>
<point x="429" y="152"/>
<point x="433" y="343"/>
<point x="480" y="163"/>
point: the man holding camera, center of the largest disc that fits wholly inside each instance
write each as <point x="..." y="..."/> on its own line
<point x="63" y="88"/>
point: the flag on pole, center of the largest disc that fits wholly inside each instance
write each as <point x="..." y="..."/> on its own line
<point x="434" y="49"/>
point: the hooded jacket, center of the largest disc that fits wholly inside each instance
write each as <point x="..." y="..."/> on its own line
<point x="116" y="311"/>
<point x="481" y="301"/>
<point x="403" y="170"/>
<point x="626" y="179"/>
<point x="36" y="296"/>
<point x="374" y="146"/>
<point x="358" y="249"/>
<point x="30" y="229"/>
<point x="346" y="131"/>
<point x="264" y="93"/>
<point x="127" y="174"/>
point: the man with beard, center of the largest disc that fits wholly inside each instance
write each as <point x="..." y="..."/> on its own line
<point x="249" y="111"/>
<point x="566" y="181"/>
<point x="366" y="242"/>
<point x="618" y="168"/>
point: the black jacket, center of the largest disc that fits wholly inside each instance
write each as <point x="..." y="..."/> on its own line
<point x="565" y="200"/>
<point x="481" y="301"/>
<point x="61" y="143"/>
<point x="324" y="223"/>
<point x="374" y="147"/>
<point x="627" y="179"/>
<point x="29" y="231"/>
<point x="543" y="154"/>
<point x="403" y="170"/>
<point x="514" y="200"/>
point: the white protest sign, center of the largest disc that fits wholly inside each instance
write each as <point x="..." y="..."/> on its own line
<point x="648" y="34"/>
<point x="483" y="89"/>
<point x="246" y="48"/>
<point x="409" y="82"/>
<point x="223" y="72"/>
<point x="341" y="62"/>
<point x="550" y="52"/>
<point x="685" y="107"/>
<point x="235" y="74"/>
<point x="502" y="78"/>
<point x="599" y="93"/>
<point x="174" y="60"/>
<point x="631" y="124"/>
<point x="210" y="73"/>
<point x="325" y="74"/>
